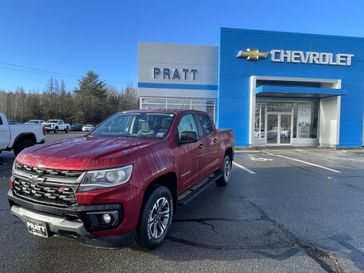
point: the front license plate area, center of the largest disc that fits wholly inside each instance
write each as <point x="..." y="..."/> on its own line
<point x="37" y="228"/>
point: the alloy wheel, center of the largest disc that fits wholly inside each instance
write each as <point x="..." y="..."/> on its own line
<point x="227" y="169"/>
<point x="159" y="217"/>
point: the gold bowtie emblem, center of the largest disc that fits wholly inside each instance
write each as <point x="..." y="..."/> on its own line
<point x="252" y="54"/>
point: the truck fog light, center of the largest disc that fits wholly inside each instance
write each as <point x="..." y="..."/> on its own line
<point x="106" y="218"/>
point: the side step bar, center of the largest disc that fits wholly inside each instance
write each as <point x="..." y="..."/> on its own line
<point x="195" y="190"/>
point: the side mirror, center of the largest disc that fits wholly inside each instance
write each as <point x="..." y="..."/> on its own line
<point x="188" y="137"/>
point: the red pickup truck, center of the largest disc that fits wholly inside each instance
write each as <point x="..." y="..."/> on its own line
<point x="124" y="180"/>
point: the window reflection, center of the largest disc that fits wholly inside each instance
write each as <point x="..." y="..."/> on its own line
<point x="304" y="117"/>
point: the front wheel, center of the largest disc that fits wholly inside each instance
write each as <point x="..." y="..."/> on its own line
<point x="25" y="143"/>
<point x="66" y="130"/>
<point x="225" y="170"/>
<point x="55" y="130"/>
<point x="156" y="218"/>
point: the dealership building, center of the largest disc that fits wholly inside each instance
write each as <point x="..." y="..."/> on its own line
<point x="271" y="88"/>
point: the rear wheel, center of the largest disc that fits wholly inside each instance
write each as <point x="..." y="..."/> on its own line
<point x="66" y="130"/>
<point x="25" y="143"/>
<point x="156" y="218"/>
<point x="225" y="170"/>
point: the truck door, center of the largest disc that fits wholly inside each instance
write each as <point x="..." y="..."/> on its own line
<point x="189" y="155"/>
<point x="211" y="140"/>
<point x="4" y="133"/>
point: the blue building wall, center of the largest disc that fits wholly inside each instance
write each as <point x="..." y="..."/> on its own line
<point x="234" y="76"/>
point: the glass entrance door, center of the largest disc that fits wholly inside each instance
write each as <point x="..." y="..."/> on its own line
<point x="272" y="129"/>
<point x="279" y="128"/>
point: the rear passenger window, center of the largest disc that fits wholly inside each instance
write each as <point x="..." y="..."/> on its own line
<point x="205" y="124"/>
<point x="1" y="121"/>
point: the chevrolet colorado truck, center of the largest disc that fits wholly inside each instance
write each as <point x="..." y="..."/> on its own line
<point x="17" y="137"/>
<point x="124" y="180"/>
<point x="56" y="125"/>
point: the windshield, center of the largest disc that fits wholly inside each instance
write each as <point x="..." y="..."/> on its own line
<point x="52" y="121"/>
<point x="33" y="121"/>
<point x="135" y="125"/>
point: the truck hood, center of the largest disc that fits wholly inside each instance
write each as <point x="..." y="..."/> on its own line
<point x="83" y="153"/>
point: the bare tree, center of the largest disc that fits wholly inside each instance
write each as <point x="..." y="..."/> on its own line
<point x="92" y="102"/>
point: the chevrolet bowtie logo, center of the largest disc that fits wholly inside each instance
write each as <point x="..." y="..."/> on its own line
<point x="252" y="54"/>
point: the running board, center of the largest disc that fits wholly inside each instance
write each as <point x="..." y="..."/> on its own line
<point x="195" y="190"/>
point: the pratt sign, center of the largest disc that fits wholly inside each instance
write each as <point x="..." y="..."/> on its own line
<point x="295" y="56"/>
<point x="174" y="74"/>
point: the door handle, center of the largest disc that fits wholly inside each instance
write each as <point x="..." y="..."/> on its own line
<point x="201" y="146"/>
<point x="215" y="140"/>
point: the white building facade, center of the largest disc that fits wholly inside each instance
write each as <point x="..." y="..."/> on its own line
<point x="178" y="77"/>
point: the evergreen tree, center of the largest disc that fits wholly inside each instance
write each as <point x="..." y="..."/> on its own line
<point x="91" y="99"/>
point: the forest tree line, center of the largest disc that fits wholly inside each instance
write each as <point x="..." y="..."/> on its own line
<point x="91" y="102"/>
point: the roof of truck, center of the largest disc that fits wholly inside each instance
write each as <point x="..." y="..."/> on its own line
<point x="162" y="110"/>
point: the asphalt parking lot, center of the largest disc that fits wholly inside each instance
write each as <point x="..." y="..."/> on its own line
<point x="285" y="210"/>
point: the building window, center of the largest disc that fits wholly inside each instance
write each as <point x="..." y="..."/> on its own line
<point x="306" y="120"/>
<point x="279" y="107"/>
<point x="260" y="109"/>
<point x="152" y="103"/>
<point x="304" y="115"/>
<point x="178" y="104"/>
<point x="206" y="105"/>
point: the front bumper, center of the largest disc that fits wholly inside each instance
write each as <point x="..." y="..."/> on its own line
<point x="73" y="222"/>
<point x="56" y="224"/>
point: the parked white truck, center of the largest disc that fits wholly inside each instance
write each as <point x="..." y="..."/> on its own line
<point x="56" y="125"/>
<point x="19" y="136"/>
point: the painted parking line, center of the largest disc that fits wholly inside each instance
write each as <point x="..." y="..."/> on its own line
<point x="305" y="162"/>
<point x="243" y="168"/>
<point x="262" y="159"/>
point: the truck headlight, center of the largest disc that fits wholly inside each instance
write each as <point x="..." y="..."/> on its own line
<point x="105" y="178"/>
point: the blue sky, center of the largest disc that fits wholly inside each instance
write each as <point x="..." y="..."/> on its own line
<point x="64" y="39"/>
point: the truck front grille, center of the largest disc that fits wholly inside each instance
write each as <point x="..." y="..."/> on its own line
<point x="46" y="186"/>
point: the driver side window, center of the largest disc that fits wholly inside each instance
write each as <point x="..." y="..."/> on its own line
<point x="187" y="123"/>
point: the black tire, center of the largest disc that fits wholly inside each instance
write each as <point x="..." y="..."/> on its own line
<point x="55" y="130"/>
<point x="66" y="130"/>
<point x="225" y="170"/>
<point x="154" y="224"/>
<point x="22" y="144"/>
